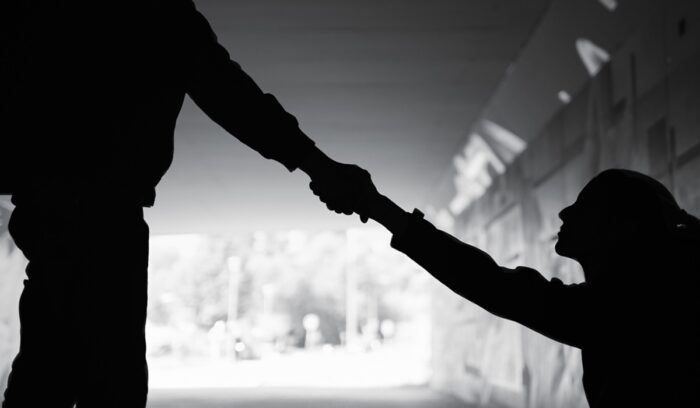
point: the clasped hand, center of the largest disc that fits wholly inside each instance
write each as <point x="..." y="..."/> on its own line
<point x="346" y="189"/>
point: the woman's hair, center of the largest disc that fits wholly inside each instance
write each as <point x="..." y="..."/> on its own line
<point x="636" y="198"/>
<point x="654" y="217"/>
<point x="663" y="281"/>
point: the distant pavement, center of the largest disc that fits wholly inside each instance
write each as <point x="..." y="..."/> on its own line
<point x="410" y="397"/>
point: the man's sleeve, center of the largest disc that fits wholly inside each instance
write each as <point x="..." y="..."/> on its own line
<point x="521" y="294"/>
<point x="232" y="99"/>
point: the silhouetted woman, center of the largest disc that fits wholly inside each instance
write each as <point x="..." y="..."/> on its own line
<point x="635" y="318"/>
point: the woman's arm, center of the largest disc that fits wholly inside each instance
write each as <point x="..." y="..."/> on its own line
<point x="522" y="294"/>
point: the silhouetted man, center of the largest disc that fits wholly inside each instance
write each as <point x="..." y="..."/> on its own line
<point x="91" y="93"/>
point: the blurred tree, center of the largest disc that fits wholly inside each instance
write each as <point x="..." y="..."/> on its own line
<point x="284" y="276"/>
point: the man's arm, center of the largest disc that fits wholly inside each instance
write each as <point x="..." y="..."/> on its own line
<point x="232" y="99"/>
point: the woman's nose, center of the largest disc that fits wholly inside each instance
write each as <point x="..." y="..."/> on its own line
<point x="563" y="213"/>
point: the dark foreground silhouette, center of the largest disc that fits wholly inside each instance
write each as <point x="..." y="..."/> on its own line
<point x="637" y="316"/>
<point x="91" y="91"/>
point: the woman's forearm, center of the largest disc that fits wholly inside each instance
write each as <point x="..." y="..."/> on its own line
<point x="467" y="270"/>
<point x="389" y="214"/>
<point x="520" y="294"/>
<point x="463" y="268"/>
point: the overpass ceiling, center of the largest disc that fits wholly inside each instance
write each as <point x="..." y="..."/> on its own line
<point x="392" y="85"/>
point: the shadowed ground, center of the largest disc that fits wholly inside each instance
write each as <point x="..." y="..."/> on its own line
<point x="301" y="398"/>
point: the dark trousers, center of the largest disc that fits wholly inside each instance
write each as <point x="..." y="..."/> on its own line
<point x="83" y="308"/>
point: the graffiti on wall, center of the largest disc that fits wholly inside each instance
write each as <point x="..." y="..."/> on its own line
<point x="489" y="149"/>
<point x="538" y="184"/>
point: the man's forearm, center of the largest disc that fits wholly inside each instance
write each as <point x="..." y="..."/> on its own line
<point x="231" y="98"/>
<point x="314" y="162"/>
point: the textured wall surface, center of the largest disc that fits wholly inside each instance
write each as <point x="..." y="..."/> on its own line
<point x="12" y="264"/>
<point x="642" y="111"/>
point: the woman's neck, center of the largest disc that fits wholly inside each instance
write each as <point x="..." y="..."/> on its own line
<point x="618" y="266"/>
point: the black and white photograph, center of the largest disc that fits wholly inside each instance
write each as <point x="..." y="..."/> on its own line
<point x="349" y="203"/>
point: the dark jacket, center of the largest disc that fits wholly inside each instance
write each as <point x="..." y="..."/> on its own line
<point x="639" y="339"/>
<point x="92" y="91"/>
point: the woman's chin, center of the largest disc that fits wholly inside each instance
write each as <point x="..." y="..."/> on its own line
<point x="561" y="249"/>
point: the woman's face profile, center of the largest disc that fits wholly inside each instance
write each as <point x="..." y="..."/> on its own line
<point x="619" y="216"/>
<point x="587" y="228"/>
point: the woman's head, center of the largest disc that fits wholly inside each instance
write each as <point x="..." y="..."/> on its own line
<point x="618" y="211"/>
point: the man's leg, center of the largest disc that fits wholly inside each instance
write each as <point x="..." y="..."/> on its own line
<point x="43" y="373"/>
<point x="83" y="309"/>
<point x="113" y="286"/>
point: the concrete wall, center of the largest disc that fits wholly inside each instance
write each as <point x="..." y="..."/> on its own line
<point x="12" y="264"/>
<point x="642" y="111"/>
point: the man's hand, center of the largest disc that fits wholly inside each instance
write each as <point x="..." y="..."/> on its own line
<point x="345" y="188"/>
